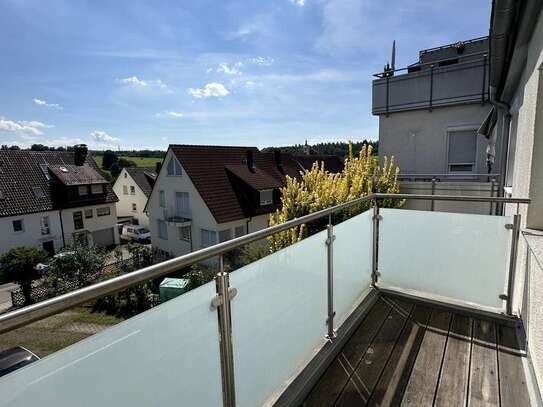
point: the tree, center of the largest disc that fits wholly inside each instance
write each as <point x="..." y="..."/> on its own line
<point x="39" y="147"/>
<point x="108" y="159"/>
<point x="74" y="268"/>
<point x="319" y="189"/>
<point x="18" y="264"/>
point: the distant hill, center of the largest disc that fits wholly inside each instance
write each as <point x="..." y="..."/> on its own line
<point x="340" y="149"/>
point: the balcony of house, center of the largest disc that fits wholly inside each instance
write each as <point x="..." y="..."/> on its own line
<point x="432" y="84"/>
<point x="385" y="306"/>
<point x="177" y="217"/>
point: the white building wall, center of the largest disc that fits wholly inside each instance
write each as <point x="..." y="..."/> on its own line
<point x="418" y="139"/>
<point x="127" y="200"/>
<point x="94" y="224"/>
<point x="527" y="124"/>
<point x="201" y="217"/>
<point x="31" y="234"/>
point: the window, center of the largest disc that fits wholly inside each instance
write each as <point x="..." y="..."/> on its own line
<point x="132" y="190"/>
<point x="18" y="225"/>
<point x="125" y="175"/>
<point x="239" y="231"/>
<point x="174" y="168"/>
<point x="134" y="207"/>
<point x="225" y="235"/>
<point x="182" y="208"/>
<point x="83" y="190"/>
<point x="88" y="213"/>
<point x="209" y="237"/>
<point x="162" y="199"/>
<point x="462" y="150"/>
<point x="125" y="190"/>
<point x="97" y="189"/>
<point x="266" y="197"/>
<point x="184" y="233"/>
<point x="78" y="220"/>
<point x="162" y="229"/>
<point x="44" y="225"/>
<point x="104" y="211"/>
<point x="38" y="192"/>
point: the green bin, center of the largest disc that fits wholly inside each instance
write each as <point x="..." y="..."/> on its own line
<point x="172" y="287"/>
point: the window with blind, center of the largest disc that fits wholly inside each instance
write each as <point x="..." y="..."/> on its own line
<point x="209" y="237"/>
<point x="462" y="150"/>
<point x="182" y="208"/>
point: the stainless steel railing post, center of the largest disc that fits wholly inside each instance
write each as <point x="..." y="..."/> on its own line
<point x="375" y="244"/>
<point x="513" y="263"/>
<point x="222" y="303"/>
<point x="330" y="278"/>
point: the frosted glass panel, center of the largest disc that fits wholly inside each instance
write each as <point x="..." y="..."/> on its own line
<point x="461" y="257"/>
<point x="352" y="263"/>
<point x="163" y="357"/>
<point x="278" y="317"/>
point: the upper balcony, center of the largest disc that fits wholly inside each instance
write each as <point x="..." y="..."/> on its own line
<point x="389" y="306"/>
<point x="456" y="78"/>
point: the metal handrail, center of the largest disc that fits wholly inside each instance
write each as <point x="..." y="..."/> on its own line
<point x="449" y="175"/>
<point x="35" y="312"/>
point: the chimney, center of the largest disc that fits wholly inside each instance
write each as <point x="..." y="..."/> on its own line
<point x="80" y="154"/>
<point x="158" y="166"/>
<point x="278" y="160"/>
<point x="251" y="160"/>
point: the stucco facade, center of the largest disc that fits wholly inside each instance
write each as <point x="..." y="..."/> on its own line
<point x="35" y="232"/>
<point x="418" y="139"/>
<point x="100" y="228"/>
<point x="132" y="199"/>
<point x="198" y="216"/>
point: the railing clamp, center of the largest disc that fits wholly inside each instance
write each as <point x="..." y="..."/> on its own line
<point x="504" y="297"/>
<point x="377" y="217"/>
<point x="330" y="240"/>
<point x="509" y="226"/>
<point x="217" y="301"/>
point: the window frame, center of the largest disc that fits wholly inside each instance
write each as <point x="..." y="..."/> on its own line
<point x="240" y="227"/>
<point x="79" y="215"/>
<point x="132" y="190"/>
<point x="176" y="170"/>
<point x="125" y="189"/>
<point x="22" y="223"/>
<point x="87" y="190"/>
<point x="455" y="129"/>
<point x="134" y="207"/>
<point x="160" y="235"/>
<point x="86" y="212"/>
<point x="102" y="209"/>
<point x="184" y="237"/>
<point x="265" y="202"/>
<point x="45" y="225"/>
<point x="209" y="233"/>
<point x="93" y="186"/>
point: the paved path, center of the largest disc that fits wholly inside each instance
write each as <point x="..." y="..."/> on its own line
<point x="5" y="296"/>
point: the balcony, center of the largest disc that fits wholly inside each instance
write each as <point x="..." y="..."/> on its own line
<point x="179" y="218"/>
<point x="390" y="306"/>
<point x="431" y="85"/>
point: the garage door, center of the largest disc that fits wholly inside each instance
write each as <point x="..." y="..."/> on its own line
<point x="104" y="237"/>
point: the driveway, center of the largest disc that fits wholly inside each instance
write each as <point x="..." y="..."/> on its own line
<point x="5" y="296"/>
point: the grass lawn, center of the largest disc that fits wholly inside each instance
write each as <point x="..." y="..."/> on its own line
<point x="59" y="331"/>
<point x="140" y="161"/>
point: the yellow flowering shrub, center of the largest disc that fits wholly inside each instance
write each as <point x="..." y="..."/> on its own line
<point x="318" y="189"/>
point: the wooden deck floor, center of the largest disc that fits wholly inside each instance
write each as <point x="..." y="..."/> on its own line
<point x="412" y="355"/>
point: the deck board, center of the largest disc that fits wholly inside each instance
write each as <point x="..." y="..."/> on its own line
<point x="413" y="354"/>
<point x="370" y="367"/>
<point x="512" y="377"/>
<point x="391" y="386"/>
<point x="483" y="386"/>
<point x="424" y="377"/>
<point x="453" y="383"/>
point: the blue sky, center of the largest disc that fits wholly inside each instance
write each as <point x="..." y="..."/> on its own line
<point x="143" y="74"/>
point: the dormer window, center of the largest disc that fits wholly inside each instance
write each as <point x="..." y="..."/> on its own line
<point x="266" y="197"/>
<point x="83" y="190"/>
<point x="173" y="167"/>
<point x="38" y="192"/>
<point x="97" y="189"/>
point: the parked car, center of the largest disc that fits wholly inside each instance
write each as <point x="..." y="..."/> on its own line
<point x="136" y="233"/>
<point x="43" y="268"/>
<point x="15" y="358"/>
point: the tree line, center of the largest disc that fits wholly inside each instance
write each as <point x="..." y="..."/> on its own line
<point x="338" y="148"/>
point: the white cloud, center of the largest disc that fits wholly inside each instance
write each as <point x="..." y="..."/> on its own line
<point x="230" y="69"/>
<point x="300" y="3"/>
<point x="135" y="81"/>
<point x="29" y="128"/>
<point x="212" y="89"/>
<point x="41" y="102"/>
<point x="101" y="137"/>
<point x="263" y="61"/>
<point x="169" y="113"/>
<point x="250" y="83"/>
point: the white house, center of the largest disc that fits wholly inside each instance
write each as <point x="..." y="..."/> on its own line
<point x="52" y="199"/>
<point x="133" y="187"/>
<point x="209" y="194"/>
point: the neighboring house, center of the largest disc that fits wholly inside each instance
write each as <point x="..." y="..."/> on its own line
<point x="209" y="194"/>
<point x="51" y="199"/>
<point x="133" y="187"/>
<point x="430" y="112"/>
